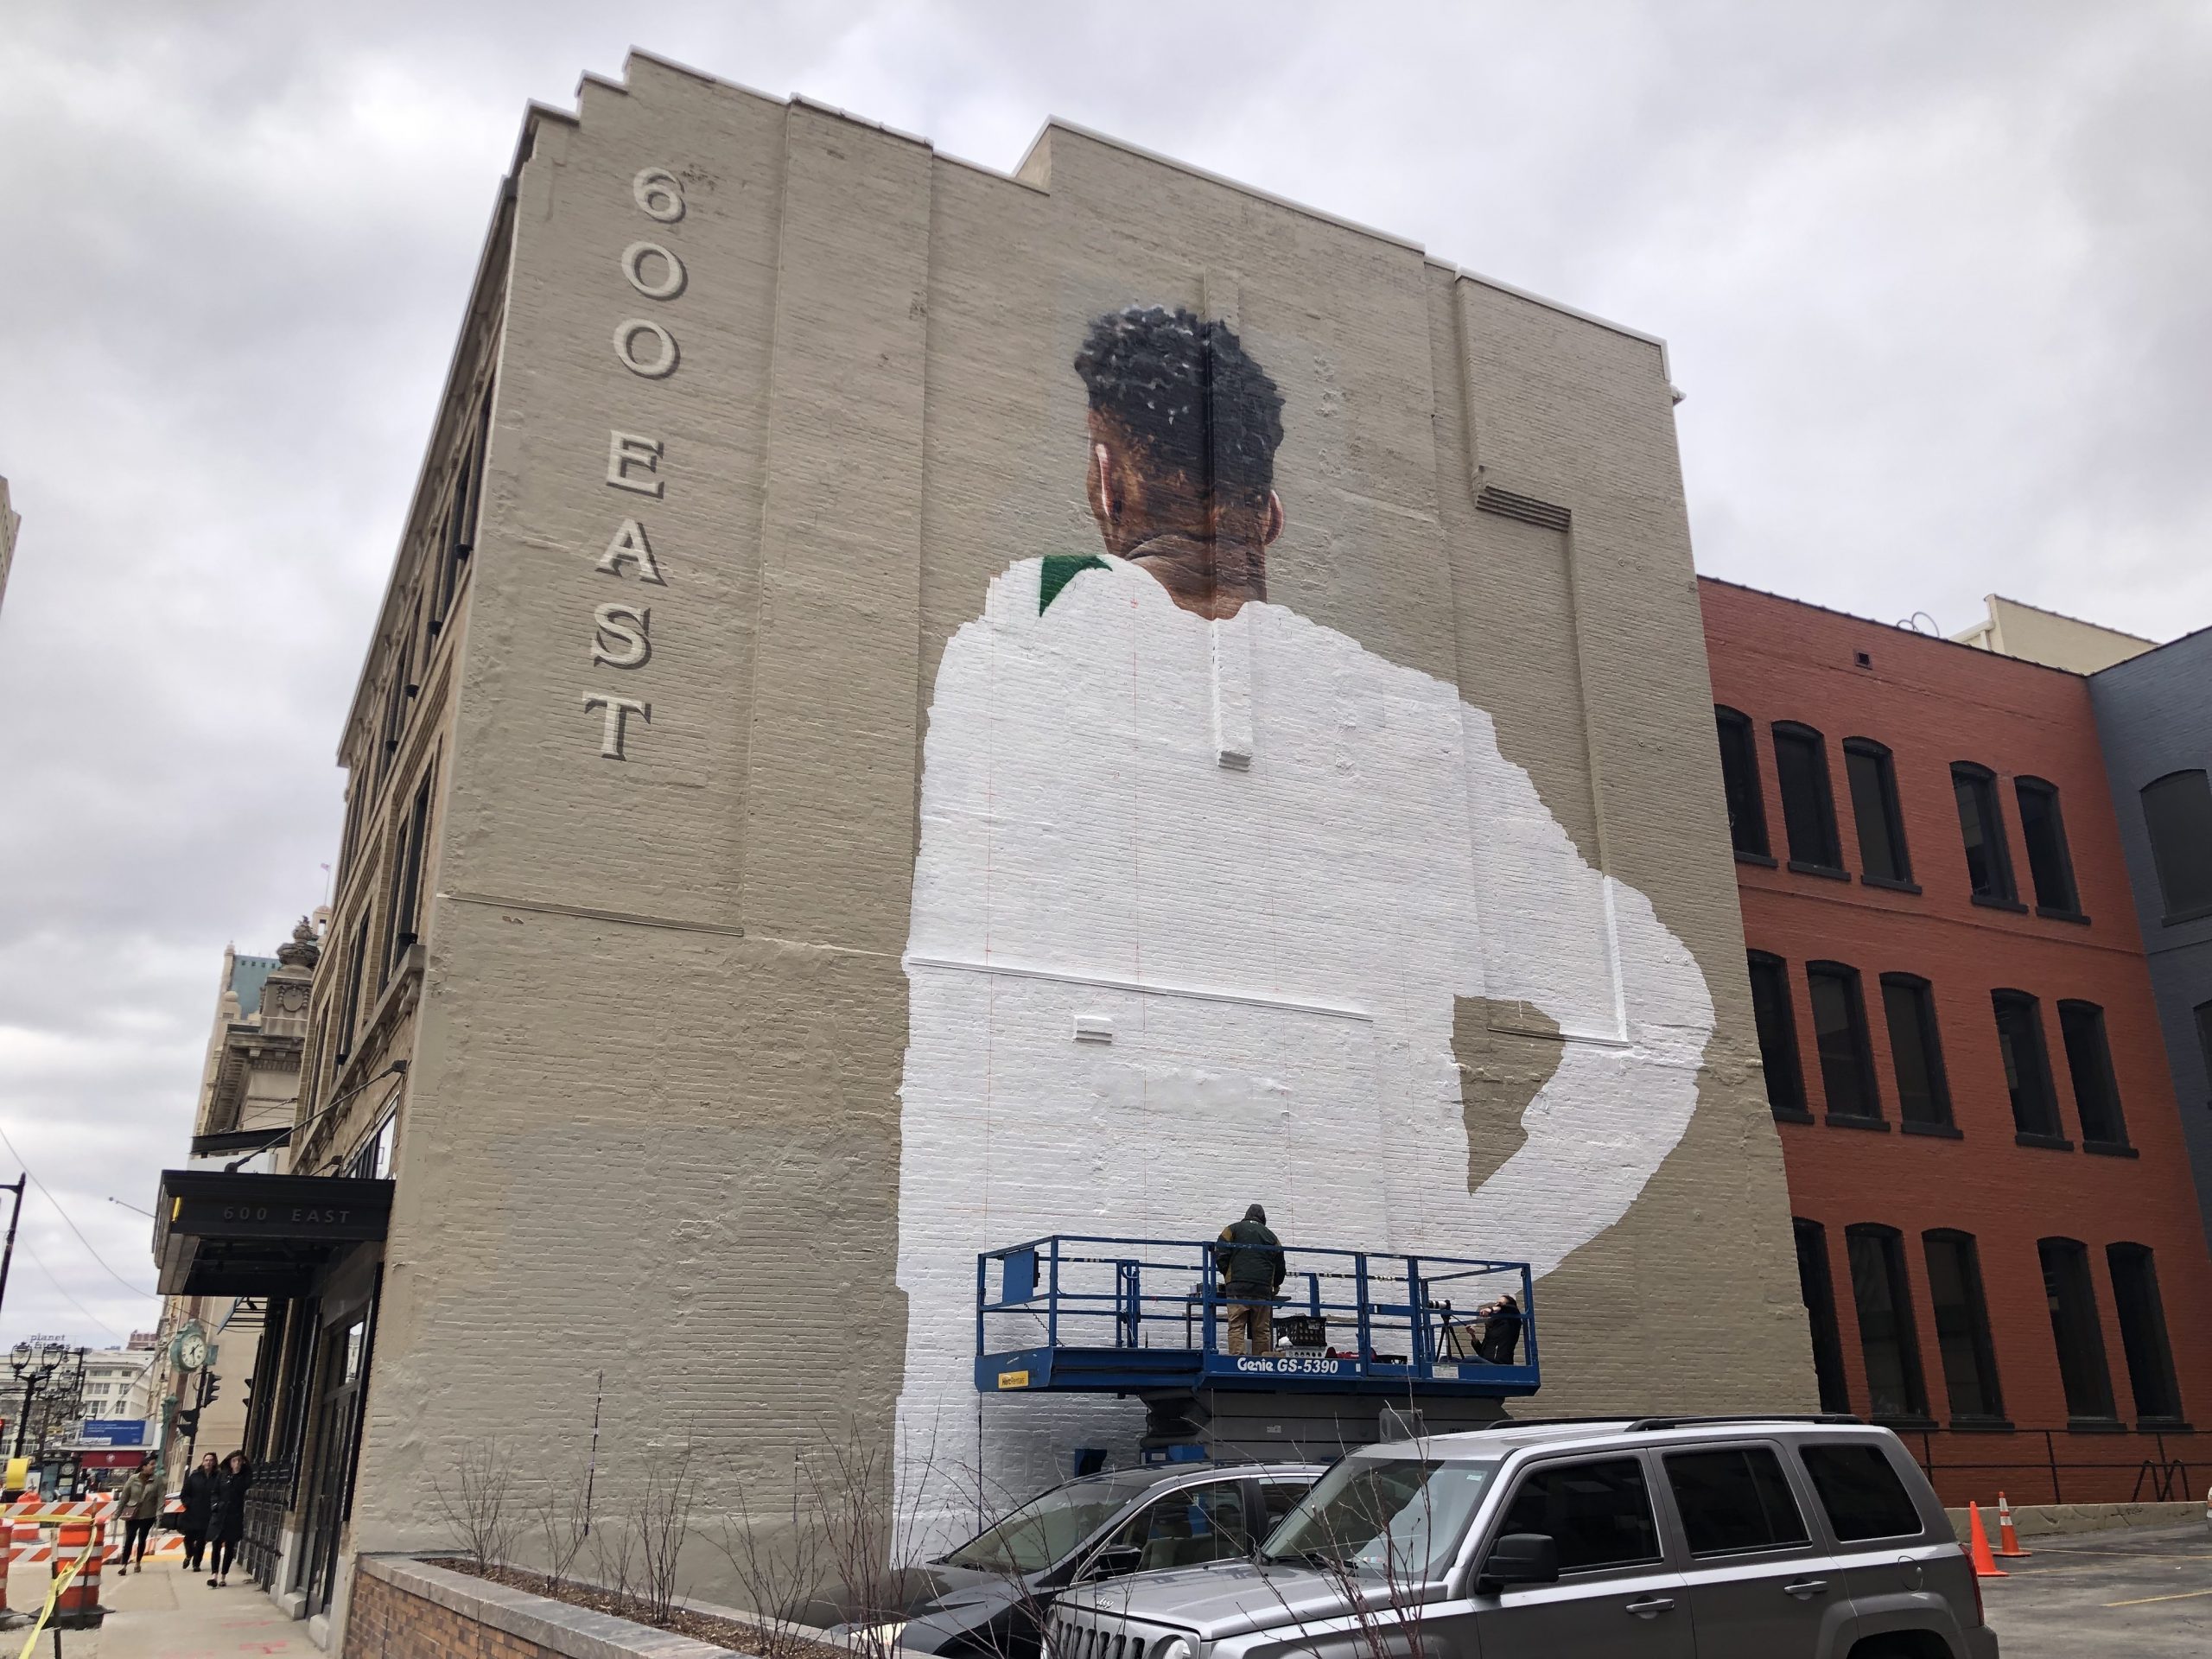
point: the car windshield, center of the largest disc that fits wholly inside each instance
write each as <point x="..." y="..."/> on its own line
<point x="1046" y="1529"/>
<point x="1399" y="1517"/>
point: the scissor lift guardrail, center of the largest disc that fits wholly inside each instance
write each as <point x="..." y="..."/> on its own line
<point x="1076" y="1313"/>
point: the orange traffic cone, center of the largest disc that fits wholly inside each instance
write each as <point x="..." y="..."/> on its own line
<point x="2008" y="1541"/>
<point x="1978" y="1547"/>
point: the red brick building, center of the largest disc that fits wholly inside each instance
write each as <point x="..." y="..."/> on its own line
<point x="1997" y="1230"/>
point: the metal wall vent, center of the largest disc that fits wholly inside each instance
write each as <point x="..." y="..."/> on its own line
<point x="1526" y="508"/>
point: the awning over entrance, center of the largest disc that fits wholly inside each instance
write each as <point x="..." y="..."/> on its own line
<point x="246" y="1235"/>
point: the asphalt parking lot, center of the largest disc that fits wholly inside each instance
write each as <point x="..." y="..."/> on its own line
<point x="2107" y="1595"/>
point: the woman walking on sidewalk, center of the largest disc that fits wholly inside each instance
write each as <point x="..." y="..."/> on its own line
<point x="227" y="1526"/>
<point x="139" y="1503"/>
<point x="198" y="1496"/>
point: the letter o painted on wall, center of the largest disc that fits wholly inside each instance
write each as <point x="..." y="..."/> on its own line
<point x="653" y="368"/>
<point x="658" y="195"/>
<point x="633" y="267"/>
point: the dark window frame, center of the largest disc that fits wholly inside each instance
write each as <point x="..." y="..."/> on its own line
<point x="1827" y="1464"/>
<point x="1549" y="1469"/>
<point x="2203" y="1014"/>
<point x="1743" y="791"/>
<point x="2077" y="1333"/>
<point x="1817" y="1290"/>
<point x="1965" y="1322"/>
<point x="1776" y="1021"/>
<point x="2097" y="1106"/>
<point x="1773" y="1509"/>
<point x="2181" y="853"/>
<point x="402" y="927"/>
<point x="1826" y="857"/>
<point x="1999" y="886"/>
<point x="1886" y="1256"/>
<point x="2145" y="1344"/>
<point x="2030" y="1069"/>
<point x="2051" y="870"/>
<point x="356" y="961"/>
<point x="1928" y="1039"/>
<point x="1884" y="856"/>
<point x="1859" y="1036"/>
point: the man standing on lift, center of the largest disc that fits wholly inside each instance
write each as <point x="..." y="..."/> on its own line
<point x="1250" y="1257"/>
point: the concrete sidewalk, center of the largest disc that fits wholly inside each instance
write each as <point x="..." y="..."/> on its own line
<point x="167" y="1613"/>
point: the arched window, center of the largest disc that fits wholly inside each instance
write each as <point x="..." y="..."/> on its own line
<point x="1800" y="767"/>
<point x="1916" y="1052"/>
<point x="1818" y="1289"/>
<point x="1963" y="1326"/>
<point x="2142" y="1332"/>
<point x="2088" y="1064"/>
<point x="2042" y="831"/>
<point x="1777" y="1032"/>
<point x="1883" y="859"/>
<point x="1981" y="826"/>
<point x="2027" y="1068"/>
<point x="2074" y="1329"/>
<point x="2177" y="812"/>
<point x="1888" y="1337"/>
<point x="1739" y="782"/>
<point x="1839" y="1034"/>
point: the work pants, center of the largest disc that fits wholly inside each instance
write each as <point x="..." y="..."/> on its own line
<point x="135" y="1532"/>
<point x="1251" y="1328"/>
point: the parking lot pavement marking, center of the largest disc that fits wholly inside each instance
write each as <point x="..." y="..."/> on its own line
<point x="2145" y="1601"/>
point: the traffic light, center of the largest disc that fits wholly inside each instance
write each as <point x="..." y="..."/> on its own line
<point x="215" y="1387"/>
<point x="187" y="1421"/>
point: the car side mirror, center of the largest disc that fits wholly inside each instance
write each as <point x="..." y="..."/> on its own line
<point x="1518" y="1558"/>
<point x="1114" y="1561"/>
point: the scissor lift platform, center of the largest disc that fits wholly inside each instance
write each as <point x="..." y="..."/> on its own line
<point x="1079" y="1313"/>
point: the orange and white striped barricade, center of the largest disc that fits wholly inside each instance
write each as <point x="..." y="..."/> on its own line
<point x="82" y="1539"/>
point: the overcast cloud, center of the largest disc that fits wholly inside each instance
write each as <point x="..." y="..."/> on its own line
<point x="1934" y="276"/>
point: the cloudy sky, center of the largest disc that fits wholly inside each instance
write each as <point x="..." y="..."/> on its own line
<point x="1934" y="276"/>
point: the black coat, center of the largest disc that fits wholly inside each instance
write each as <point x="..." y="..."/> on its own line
<point x="1250" y="1257"/>
<point x="199" y="1495"/>
<point x="229" y="1525"/>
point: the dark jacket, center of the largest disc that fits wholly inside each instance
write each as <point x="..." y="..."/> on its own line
<point x="229" y="1523"/>
<point x="199" y="1495"/>
<point x="1501" y="1334"/>
<point x="1249" y="1257"/>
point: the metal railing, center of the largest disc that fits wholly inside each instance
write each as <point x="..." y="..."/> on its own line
<point x="1394" y="1315"/>
<point x="266" y="1500"/>
<point x="2075" y="1464"/>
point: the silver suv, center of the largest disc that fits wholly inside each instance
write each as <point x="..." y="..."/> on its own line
<point x="1664" y="1538"/>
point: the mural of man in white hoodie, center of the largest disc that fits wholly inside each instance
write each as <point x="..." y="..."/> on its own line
<point x="1272" y="862"/>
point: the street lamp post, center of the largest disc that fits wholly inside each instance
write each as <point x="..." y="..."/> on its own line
<point x="32" y="1367"/>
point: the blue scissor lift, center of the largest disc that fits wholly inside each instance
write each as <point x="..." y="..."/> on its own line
<point x="1369" y="1345"/>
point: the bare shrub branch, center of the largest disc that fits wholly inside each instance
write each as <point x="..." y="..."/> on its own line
<point x="476" y="1501"/>
<point x="661" y="1517"/>
<point x="615" y="1559"/>
<point x="562" y="1520"/>
<point x="780" y="1564"/>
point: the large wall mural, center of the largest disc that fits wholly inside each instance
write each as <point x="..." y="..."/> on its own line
<point x="1273" y="864"/>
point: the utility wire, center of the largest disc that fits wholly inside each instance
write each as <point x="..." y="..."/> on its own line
<point x="38" y="1262"/>
<point x="72" y="1225"/>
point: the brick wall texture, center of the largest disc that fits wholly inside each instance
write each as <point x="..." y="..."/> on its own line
<point x="387" y="1621"/>
<point x="1933" y="704"/>
<point x="672" y="1080"/>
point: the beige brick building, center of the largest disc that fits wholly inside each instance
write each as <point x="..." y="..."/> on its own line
<point x="800" y="694"/>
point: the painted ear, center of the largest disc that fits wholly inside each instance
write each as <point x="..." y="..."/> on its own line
<point x="1109" y="503"/>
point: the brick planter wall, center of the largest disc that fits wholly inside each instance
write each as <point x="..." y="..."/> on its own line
<point x="406" y="1609"/>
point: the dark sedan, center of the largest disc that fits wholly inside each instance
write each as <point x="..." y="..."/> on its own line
<point x="987" y="1599"/>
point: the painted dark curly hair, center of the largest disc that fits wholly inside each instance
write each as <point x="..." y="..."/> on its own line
<point x="1157" y="374"/>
